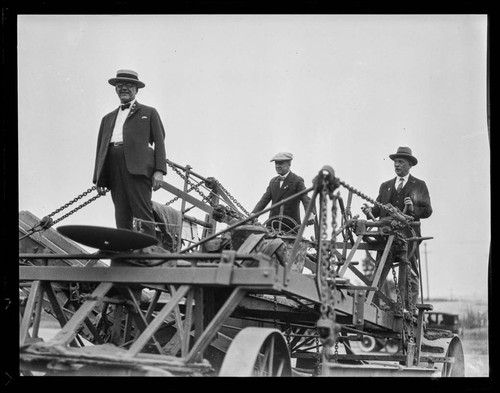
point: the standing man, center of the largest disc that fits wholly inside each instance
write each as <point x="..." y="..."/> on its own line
<point x="287" y="216"/>
<point x="130" y="158"/>
<point x="411" y="196"/>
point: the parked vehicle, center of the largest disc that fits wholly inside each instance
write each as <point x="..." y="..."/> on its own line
<point x="444" y="320"/>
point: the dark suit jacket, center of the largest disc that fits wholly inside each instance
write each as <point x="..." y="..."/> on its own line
<point x="416" y="189"/>
<point x="142" y="128"/>
<point x="292" y="185"/>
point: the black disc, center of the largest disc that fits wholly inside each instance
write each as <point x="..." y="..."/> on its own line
<point x="109" y="239"/>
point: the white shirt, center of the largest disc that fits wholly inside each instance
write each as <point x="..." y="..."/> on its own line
<point x="283" y="179"/>
<point x="405" y="180"/>
<point x="120" y="119"/>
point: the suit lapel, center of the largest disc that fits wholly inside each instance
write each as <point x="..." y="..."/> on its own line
<point x="275" y="188"/>
<point x="109" y="130"/>
<point x="133" y="109"/>
<point x="386" y="197"/>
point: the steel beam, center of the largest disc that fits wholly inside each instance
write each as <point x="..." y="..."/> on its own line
<point x="155" y="324"/>
<point x="214" y="326"/>
<point x="258" y="277"/>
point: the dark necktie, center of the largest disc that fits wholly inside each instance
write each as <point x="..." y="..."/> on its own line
<point x="400" y="185"/>
<point x="282" y="178"/>
<point x="125" y="106"/>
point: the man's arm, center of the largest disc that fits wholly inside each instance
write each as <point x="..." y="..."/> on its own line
<point x="306" y="200"/>
<point x="419" y="204"/>
<point x="264" y="200"/>
<point x="158" y="135"/>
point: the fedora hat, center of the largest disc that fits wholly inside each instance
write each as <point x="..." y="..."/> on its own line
<point x="126" y="76"/>
<point x="404" y="152"/>
<point x="282" y="156"/>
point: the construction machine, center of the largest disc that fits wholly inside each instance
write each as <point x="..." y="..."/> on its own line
<point x="238" y="299"/>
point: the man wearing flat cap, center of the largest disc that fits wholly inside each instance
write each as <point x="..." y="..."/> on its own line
<point x="130" y="155"/>
<point x="285" y="218"/>
<point x="411" y="196"/>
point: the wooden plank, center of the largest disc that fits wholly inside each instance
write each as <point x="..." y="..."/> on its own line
<point x="214" y="325"/>
<point x="34" y="297"/>
<point x="349" y="258"/>
<point x="188" y="198"/>
<point x="380" y="268"/>
<point x="69" y="331"/>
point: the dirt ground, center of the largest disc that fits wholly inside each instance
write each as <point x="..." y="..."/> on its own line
<point x="476" y="350"/>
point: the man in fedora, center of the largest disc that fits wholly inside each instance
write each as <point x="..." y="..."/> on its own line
<point x="130" y="157"/>
<point x="285" y="218"/>
<point x="411" y="196"/>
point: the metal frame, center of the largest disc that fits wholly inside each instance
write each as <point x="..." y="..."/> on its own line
<point x="187" y="299"/>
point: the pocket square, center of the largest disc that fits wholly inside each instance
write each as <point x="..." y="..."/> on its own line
<point x="144" y="117"/>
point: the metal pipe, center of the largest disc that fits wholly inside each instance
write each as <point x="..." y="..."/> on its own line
<point x="113" y="255"/>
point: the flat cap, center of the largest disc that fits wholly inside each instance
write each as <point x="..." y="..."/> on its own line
<point x="282" y="156"/>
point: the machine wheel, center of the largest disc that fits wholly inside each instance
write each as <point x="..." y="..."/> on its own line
<point x="257" y="352"/>
<point x="368" y="344"/>
<point x="392" y="346"/>
<point x="457" y="368"/>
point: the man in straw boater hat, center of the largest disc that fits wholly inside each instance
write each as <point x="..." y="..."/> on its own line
<point x="411" y="196"/>
<point x="281" y="187"/>
<point x="130" y="157"/>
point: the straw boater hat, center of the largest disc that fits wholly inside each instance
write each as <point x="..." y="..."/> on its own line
<point x="404" y="152"/>
<point x="283" y="156"/>
<point x="126" y="76"/>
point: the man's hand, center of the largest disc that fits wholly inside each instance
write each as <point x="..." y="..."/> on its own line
<point x="408" y="205"/>
<point x="366" y="209"/>
<point x="157" y="178"/>
<point x="310" y="221"/>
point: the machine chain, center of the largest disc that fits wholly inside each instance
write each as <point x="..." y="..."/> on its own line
<point x="211" y="183"/>
<point x="195" y="187"/>
<point x="326" y="325"/>
<point x="394" y="211"/>
<point x="80" y="206"/>
<point x="232" y="198"/>
<point x="327" y="306"/>
<point x="47" y="221"/>
<point x="412" y="307"/>
<point x="188" y="191"/>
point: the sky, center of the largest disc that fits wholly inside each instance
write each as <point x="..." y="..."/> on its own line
<point x="233" y="90"/>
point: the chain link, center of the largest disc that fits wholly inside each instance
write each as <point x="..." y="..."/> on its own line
<point x="411" y="307"/>
<point x="85" y="193"/>
<point x="327" y="287"/>
<point x="77" y="208"/>
<point x="394" y="211"/>
<point x="214" y="183"/>
<point x="47" y="221"/>
<point x="336" y="351"/>
<point x="195" y="187"/>
<point x="232" y="198"/>
<point x="318" y="357"/>
<point x="188" y="191"/>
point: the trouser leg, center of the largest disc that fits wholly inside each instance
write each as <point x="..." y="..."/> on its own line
<point x="131" y="194"/>
<point x="139" y="195"/>
<point x="117" y="171"/>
